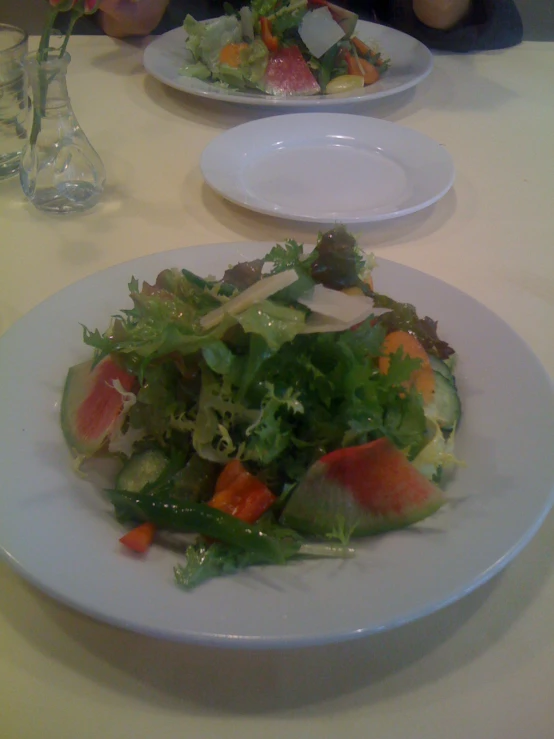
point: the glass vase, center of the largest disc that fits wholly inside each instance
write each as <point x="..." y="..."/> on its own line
<point x="60" y="172"/>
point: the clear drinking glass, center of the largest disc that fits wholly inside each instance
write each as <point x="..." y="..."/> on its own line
<point x="13" y="98"/>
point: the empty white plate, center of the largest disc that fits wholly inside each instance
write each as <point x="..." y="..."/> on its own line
<point x="327" y="167"/>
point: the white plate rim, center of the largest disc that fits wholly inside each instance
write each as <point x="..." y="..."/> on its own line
<point x="163" y="47"/>
<point x="487" y="558"/>
<point x="224" y="160"/>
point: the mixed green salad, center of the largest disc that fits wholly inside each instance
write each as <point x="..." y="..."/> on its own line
<point x="277" y="412"/>
<point x="283" y="47"/>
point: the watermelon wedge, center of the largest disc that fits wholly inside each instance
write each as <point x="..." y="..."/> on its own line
<point x="361" y="490"/>
<point x="287" y="73"/>
<point x="91" y="405"/>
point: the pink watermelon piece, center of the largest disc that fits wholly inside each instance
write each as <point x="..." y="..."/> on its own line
<point x="91" y="405"/>
<point x="364" y="490"/>
<point x="288" y="73"/>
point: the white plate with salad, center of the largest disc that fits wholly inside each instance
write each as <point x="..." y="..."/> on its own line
<point x="276" y="81"/>
<point x="289" y="166"/>
<point x="58" y="530"/>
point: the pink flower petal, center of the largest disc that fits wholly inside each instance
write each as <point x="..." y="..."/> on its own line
<point x="91" y="5"/>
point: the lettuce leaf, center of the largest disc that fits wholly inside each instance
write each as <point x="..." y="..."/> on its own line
<point x="198" y="70"/>
<point x="205" y="40"/>
<point x="206" y="560"/>
<point x="275" y="323"/>
<point x="252" y="68"/>
<point x="263" y="8"/>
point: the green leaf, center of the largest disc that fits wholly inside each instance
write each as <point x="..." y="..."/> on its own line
<point x="275" y="323"/>
<point x="206" y="561"/>
<point x="218" y="357"/>
<point x="327" y="65"/>
<point x="263" y="8"/>
<point x="404" y="317"/>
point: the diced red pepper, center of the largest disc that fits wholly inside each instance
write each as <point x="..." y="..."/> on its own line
<point x="241" y="494"/>
<point x="271" y="41"/>
<point x="229" y="474"/>
<point x="140" y="538"/>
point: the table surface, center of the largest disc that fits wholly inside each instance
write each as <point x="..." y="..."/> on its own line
<point x="481" y="668"/>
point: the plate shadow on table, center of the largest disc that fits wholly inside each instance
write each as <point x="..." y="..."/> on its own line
<point x="200" y="680"/>
<point x="466" y="90"/>
<point x="224" y="115"/>
<point x="259" y="227"/>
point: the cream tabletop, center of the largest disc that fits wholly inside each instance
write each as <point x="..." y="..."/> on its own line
<point x="481" y="668"/>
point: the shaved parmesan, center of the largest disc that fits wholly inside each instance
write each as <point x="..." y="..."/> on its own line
<point x="319" y="31"/>
<point x="257" y="292"/>
<point x="318" y="324"/>
<point x="337" y="305"/>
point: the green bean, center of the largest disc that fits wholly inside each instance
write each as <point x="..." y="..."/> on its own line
<point x="200" y="518"/>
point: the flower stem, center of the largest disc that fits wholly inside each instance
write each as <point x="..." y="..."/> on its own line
<point x="44" y="43"/>
<point x="41" y="90"/>
<point x="42" y="55"/>
<point x="75" y="15"/>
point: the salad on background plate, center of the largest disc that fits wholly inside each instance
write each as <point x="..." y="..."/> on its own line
<point x="284" y="47"/>
<point x="188" y="59"/>
<point x="280" y="412"/>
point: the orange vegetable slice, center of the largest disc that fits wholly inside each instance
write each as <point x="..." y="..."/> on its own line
<point x="229" y="474"/>
<point x="423" y="378"/>
<point x="359" y="65"/>
<point x="230" y="54"/>
<point x="241" y="494"/>
<point x="140" y="538"/>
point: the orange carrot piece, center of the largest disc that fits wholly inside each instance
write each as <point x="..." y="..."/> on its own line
<point x="371" y="73"/>
<point x="423" y="378"/>
<point x="271" y="41"/>
<point x="361" y="48"/>
<point x="361" y="67"/>
<point x="230" y="54"/>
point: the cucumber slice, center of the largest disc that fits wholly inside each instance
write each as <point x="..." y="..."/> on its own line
<point x="196" y="481"/>
<point x="441" y="368"/>
<point x="445" y="408"/>
<point x="141" y="469"/>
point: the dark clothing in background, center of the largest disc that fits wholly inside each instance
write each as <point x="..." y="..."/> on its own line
<point x="491" y="24"/>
